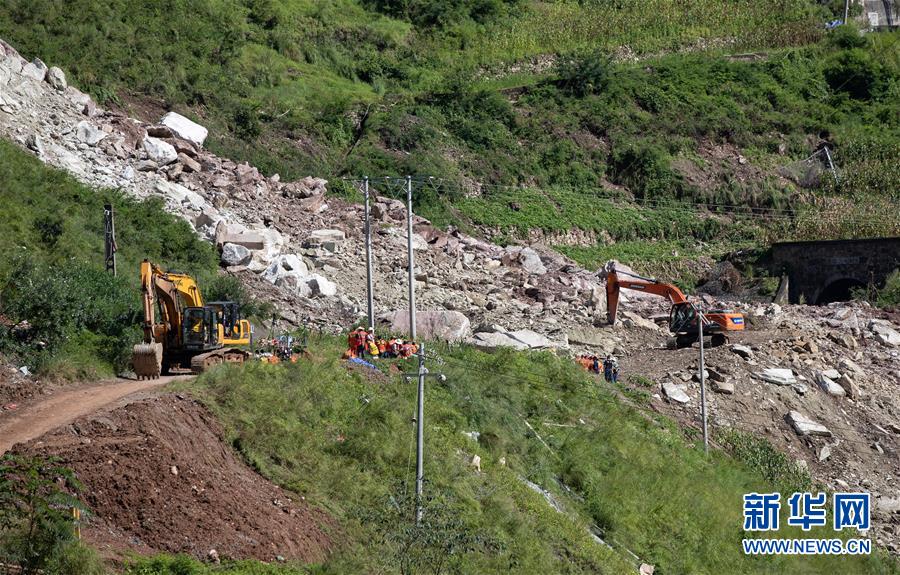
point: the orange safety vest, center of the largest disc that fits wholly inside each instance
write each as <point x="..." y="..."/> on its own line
<point x="382" y="346"/>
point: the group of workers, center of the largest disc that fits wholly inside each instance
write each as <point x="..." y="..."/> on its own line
<point x="609" y="364"/>
<point x="362" y="343"/>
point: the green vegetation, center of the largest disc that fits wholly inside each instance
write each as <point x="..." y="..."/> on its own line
<point x="562" y="101"/>
<point x="82" y="321"/>
<point x="343" y="439"/>
<point x="37" y="531"/>
<point x="889" y="295"/>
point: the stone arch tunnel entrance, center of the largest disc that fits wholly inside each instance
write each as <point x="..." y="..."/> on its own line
<point x="839" y="290"/>
<point x="822" y="272"/>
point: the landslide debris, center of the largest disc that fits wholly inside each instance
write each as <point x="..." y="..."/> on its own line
<point x="158" y="476"/>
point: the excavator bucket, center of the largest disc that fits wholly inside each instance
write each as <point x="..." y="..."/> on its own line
<point x="147" y="360"/>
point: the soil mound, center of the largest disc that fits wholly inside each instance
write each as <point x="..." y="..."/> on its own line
<point x="158" y="476"/>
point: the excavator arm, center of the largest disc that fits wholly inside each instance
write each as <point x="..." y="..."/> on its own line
<point x="172" y="293"/>
<point x="614" y="284"/>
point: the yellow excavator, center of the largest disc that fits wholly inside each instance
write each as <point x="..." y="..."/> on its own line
<point x="189" y="335"/>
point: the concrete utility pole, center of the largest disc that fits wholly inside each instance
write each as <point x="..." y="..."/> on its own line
<point x="846" y="10"/>
<point x="410" y="259"/>
<point x="421" y="374"/>
<point x="370" y="294"/>
<point x="700" y="320"/>
<point x="420" y="434"/>
<point x="109" y="234"/>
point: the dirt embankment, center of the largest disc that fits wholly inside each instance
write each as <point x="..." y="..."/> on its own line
<point x="157" y="476"/>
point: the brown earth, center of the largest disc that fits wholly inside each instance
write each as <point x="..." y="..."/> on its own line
<point x="58" y="406"/>
<point x="158" y="476"/>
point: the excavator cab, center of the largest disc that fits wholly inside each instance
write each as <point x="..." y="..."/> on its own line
<point x="236" y="331"/>
<point x="683" y="318"/>
<point x="200" y="329"/>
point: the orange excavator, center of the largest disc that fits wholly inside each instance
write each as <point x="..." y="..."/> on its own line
<point x="683" y="315"/>
<point x="188" y="336"/>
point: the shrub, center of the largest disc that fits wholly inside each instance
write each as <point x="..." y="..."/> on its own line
<point x="36" y="521"/>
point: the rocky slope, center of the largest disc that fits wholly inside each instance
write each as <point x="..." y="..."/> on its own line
<point x="820" y="382"/>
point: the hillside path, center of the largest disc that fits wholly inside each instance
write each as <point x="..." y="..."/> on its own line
<point x="37" y="417"/>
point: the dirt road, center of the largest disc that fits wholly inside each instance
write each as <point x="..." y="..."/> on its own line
<point x="43" y="414"/>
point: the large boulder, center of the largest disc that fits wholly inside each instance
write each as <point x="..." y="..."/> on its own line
<point x="495" y="339"/>
<point x="36" y="69"/>
<point x="532" y="339"/>
<point x="184" y="128"/>
<point x="321" y="286"/>
<point x="272" y="244"/>
<point x="444" y="325"/>
<point x="675" y="392"/>
<point x="89" y="133"/>
<point x="235" y="255"/>
<point x="778" y="376"/>
<point x="305" y="188"/>
<point x="531" y="262"/>
<point x="57" y="78"/>
<point x="592" y="337"/>
<point x="230" y="233"/>
<point x="828" y="385"/>
<point x="159" y="151"/>
<point x="286" y="269"/>
<point x="804" y="426"/>
<point x="885" y="333"/>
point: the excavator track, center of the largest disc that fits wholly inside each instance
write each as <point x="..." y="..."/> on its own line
<point x="147" y="360"/>
<point x="210" y="359"/>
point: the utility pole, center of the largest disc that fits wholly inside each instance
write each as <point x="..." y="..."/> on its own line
<point x="420" y="433"/>
<point x="846" y="10"/>
<point x="410" y="259"/>
<point x="370" y="294"/>
<point x="109" y="234"/>
<point x="700" y="320"/>
<point x="830" y="163"/>
<point x="421" y="374"/>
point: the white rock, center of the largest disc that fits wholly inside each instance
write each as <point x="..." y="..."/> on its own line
<point x="283" y="266"/>
<point x="235" y="255"/>
<point x="57" y="78"/>
<point x="630" y="319"/>
<point x="531" y="262"/>
<point x="803" y="425"/>
<point x="89" y="133"/>
<point x="778" y="376"/>
<point x="531" y="339"/>
<point x="184" y="128"/>
<point x="491" y="340"/>
<point x="328" y="236"/>
<point x="320" y="286"/>
<point x="726" y="387"/>
<point x="831" y="374"/>
<point x="828" y="385"/>
<point x="447" y="325"/>
<point x="159" y="151"/>
<point x="885" y="334"/>
<point x="742" y="350"/>
<point x="675" y="392"/>
<point x="36" y="69"/>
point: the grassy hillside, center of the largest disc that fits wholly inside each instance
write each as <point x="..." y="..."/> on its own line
<point x="489" y="91"/>
<point x="345" y="441"/>
<point x="52" y="272"/>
